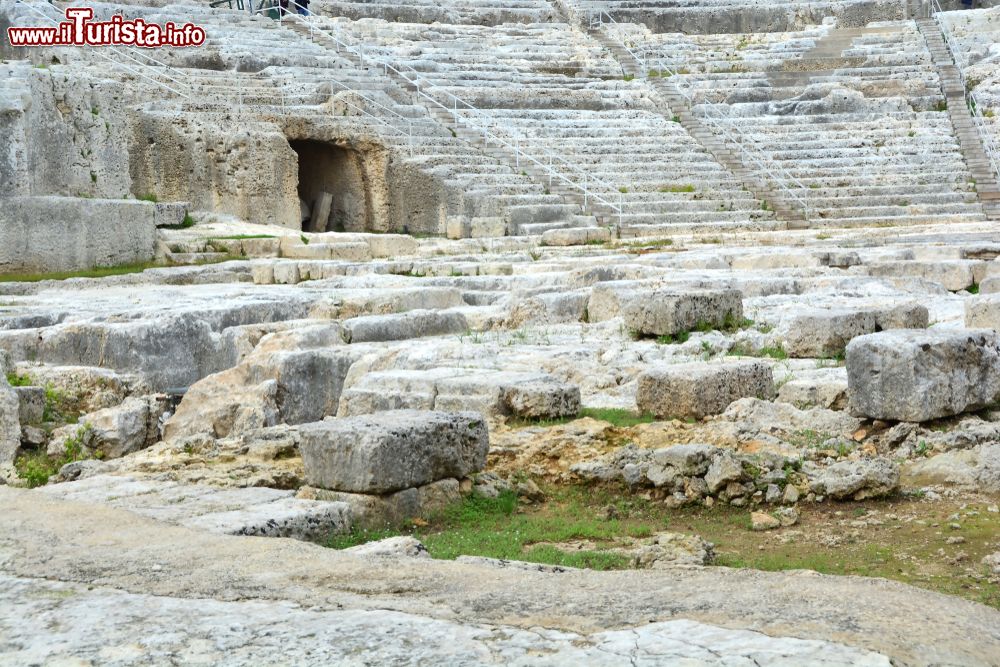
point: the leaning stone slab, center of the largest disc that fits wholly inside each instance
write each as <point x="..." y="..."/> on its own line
<point x="10" y="424"/>
<point x="665" y="313"/>
<point x="699" y="389"/>
<point x="394" y="450"/>
<point x="917" y="375"/>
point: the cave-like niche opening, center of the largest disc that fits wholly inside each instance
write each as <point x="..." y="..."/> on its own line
<point x="333" y="194"/>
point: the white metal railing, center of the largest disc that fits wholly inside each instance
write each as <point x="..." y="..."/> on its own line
<point x="991" y="146"/>
<point x="181" y="83"/>
<point x="785" y="180"/>
<point x="463" y="113"/>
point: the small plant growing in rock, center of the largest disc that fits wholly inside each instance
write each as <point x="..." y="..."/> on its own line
<point x="148" y="197"/>
<point x="304" y="239"/>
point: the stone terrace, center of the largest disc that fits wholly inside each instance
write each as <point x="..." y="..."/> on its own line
<point x="854" y="116"/>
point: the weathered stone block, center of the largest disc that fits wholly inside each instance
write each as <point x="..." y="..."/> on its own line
<point x="697" y="389"/>
<point x="31" y="401"/>
<point x="825" y="332"/>
<point x="413" y="324"/>
<point x="857" y="480"/>
<point x="42" y="234"/>
<point x="664" y="313"/>
<point x="917" y="375"/>
<point x="391" y="451"/>
<point x="10" y="425"/>
<point x="576" y="236"/>
<point x="983" y="312"/>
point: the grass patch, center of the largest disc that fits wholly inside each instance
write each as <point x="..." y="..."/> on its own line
<point x="37" y="468"/>
<point x="148" y="197"/>
<point x="186" y="223"/>
<point x="905" y="543"/>
<point x="771" y="351"/>
<point x="973" y="288"/>
<point x="16" y="380"/>
<point x="674" y="339"/>
<point x="99" y="272"/>
<point x="617" y="416"/>
<point x="677" y="188"/>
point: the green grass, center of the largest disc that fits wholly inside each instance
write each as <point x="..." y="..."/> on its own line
<point x="148" y="197"/>
<point x="15" y="380"/>
<point x="38" y="467"/>
<point x="99" y="272"/>
<point x="617" y="416"/>
<point x="186" y="223"/>
<point x="614" y="416"/>
<point x="973" y="288"/>
<point x="491" y="527"/>
<point x="674" y="339"/>
<point x="772" y="351"/>
<point x="677" y="188"/>
<point x="894" y="548"/>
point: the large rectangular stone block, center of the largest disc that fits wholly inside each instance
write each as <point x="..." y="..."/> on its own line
<point x="699" y="389"/>
<point x="917" y="375"/>
<point x="819" y="333"/>
<point x="983" y="312"/>
<point x="44" y="234"/>
<point x="665" y="313"/>
<point x="394" y="450"/>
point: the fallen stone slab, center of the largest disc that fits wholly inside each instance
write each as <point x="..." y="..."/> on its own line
<point x="114" y="432"/>
<point x="917" y="375"/>
<point x="391" y="509"/>
<point x="393" y="450"/>
<point x="576" y="236"/>
<point x="493" y="393"/>
<point x="412" y="324"/>
<point x="696" y="389"/>
<point x="666" y="313"/>
<point x="224" y="511"/>
<point x="401" y="546"/>
<point x="977" y="468"/>
<point x="954" y="275"/>
<point x="855" y="480"/>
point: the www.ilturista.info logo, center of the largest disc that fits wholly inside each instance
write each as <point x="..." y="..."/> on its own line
<point x="79" y="30"/>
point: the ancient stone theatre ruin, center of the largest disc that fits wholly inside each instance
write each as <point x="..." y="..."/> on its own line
<point x="528" y="332"/>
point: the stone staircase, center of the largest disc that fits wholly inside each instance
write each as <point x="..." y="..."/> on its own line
<point x="979" y="165"/>
<point x="565" y="206"/>
<point x="728" y="155"/>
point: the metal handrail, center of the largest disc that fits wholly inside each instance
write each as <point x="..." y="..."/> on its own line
<point x="185" y="88"/>
<point x="101" y="52"/>
<point x="989" y="143"/>
<point x="465" y="113"/>
<point x="745" y="145"/>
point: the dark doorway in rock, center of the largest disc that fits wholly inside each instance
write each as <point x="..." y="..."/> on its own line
<point x="332" y="190"/>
